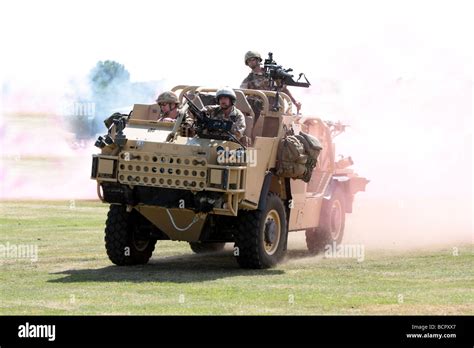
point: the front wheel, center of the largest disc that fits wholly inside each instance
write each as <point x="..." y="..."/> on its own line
<point x="261" y="236"/>
<point x="125" y="243"/>
<point x="331" y="224"/>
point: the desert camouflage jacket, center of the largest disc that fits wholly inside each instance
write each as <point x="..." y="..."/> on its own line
<point x="236" y="116"/>
<point x="259" y="81"/>
<point x="256" y="81"/>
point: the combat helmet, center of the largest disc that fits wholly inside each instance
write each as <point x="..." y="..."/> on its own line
<point x="252" y="54"/>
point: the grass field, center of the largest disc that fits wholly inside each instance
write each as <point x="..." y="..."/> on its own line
<point x="74" y="276"/>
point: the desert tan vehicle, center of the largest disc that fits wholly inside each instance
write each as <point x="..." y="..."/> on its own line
<point x="208" y="191"/>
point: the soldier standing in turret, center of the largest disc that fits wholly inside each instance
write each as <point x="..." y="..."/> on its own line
<point x="257" y="79"/>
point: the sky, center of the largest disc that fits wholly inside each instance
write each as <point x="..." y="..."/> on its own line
<point x="53" y="40"/>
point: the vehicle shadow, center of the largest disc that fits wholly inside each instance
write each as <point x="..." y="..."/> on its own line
<point x="174" y="269"/>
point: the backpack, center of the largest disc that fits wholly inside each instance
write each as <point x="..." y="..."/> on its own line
<point x="291" y="158"/>
<point x="298" y="156"/>
<point x="312" y="148"/>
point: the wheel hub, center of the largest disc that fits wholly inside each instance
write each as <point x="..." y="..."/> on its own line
<point x="270" y="231"/>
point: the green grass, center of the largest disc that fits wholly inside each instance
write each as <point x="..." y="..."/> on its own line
<point x="74" y="276"/>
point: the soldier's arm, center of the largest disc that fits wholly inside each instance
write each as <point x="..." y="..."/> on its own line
<point x="288" y="93"/>
<point x="245" y="83"/>
<point x="187" y="125"/>
<point x="239" y="126"/>
<point x="293" y="100"/>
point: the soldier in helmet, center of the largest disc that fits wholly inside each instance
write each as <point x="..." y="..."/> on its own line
<point x="170" y="112"/>
<point x="226" y="110"/>
<point x="257" y="79"/>
<point x="169" y="104"/>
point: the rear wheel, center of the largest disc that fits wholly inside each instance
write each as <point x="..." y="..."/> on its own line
<point x="261" y="235"/>
<point x="125" y="243"/>
<point x="203" y="248"/>
<point x="331" y="224"/>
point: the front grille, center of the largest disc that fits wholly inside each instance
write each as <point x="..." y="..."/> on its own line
<point x="160" y="170"/>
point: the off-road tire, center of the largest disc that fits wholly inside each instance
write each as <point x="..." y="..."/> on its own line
<point x="250" y="250"/>
<point x="120" y="243"/>
<point x="331" y="224"/>
<point x="204" y="248"/>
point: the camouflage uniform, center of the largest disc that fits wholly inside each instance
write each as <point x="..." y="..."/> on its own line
<point x="256" y="81"/>
<point x="259" y="81"/>
<point x="188" y="117"/>
<point x="235" y="115"/>
<point x="186" y="123"/>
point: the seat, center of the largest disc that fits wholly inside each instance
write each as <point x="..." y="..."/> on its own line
<point x="243" y="105"/>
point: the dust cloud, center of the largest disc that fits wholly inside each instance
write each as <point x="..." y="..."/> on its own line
<point x="412" y="138"/>
<point x="40" y="158"/>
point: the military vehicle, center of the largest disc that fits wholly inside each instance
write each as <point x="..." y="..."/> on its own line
<point x="209" y="189"/>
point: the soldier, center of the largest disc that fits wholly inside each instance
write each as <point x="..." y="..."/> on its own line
<point x="169" y="103"/>
<point x="170" y="112"/>
<point x="226" y="110"/>
<point x="257" y="80"/>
